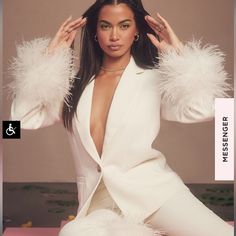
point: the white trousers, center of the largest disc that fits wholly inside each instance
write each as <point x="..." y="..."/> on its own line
<point x="182" y="215"/>
<point x="102" y="199"/>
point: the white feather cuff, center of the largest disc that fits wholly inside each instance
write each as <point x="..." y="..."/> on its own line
<point x="190" y="81"/>
<point x="104" y="222"/>
<point x="39" y="77"/>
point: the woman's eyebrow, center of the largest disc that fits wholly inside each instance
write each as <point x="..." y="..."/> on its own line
<point x="107" y="22"/>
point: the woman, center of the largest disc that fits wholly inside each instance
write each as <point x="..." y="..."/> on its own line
<point x="118" y="95"/>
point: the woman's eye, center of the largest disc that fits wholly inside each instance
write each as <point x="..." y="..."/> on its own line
<point x="126" y="26"/>
<point x="105" y="26"/>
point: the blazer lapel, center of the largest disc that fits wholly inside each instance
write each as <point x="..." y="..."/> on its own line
<point x="122" y="102"/>
<point x="83" y="121"/>
<point x="123" y="99"/>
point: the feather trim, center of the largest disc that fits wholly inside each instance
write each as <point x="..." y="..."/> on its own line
<point x="40" y="77"/>
<point x="190" y="80"/>
<point x="104" y="222"/>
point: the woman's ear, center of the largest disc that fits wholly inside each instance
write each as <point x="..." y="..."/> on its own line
<point x="136" y="36"/>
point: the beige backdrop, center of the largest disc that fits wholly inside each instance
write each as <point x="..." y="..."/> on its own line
<point x="44" y="155"/>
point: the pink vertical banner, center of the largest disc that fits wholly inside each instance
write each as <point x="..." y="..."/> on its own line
<point x="224" y="139"/>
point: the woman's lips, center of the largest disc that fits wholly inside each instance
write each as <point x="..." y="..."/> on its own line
<point x="114" y="47"/>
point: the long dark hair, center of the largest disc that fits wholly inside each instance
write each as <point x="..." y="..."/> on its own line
<point x="91" y="55"/>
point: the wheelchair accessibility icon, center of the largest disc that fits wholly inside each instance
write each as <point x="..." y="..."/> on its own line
<point x="10" y="130"/>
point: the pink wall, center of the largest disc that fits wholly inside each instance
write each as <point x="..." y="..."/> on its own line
<point x="44" y="155"/>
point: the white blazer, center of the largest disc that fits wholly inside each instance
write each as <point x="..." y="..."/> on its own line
<point x="136" y="175"/>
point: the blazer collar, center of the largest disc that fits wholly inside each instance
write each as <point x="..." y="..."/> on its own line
<point x="123" y="99"/>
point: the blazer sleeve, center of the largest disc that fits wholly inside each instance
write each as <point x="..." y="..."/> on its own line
<point x="41" y="83"/>
<point x="190" y="80"/>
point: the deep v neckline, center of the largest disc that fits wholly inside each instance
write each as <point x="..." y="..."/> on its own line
<point x="123" y="101"/>
<point x="108" y="113"/>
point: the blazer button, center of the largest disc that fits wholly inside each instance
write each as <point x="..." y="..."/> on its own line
<point x="99" y="168"/>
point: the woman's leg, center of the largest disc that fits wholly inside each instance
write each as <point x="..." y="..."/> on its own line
<point x="185" y="215"/>
<point x="101" y="200"/>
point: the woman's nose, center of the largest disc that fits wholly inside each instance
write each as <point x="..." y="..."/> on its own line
<point x="114" y="34"/>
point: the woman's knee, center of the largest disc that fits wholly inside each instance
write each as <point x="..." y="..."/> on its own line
<point x="69" y="229"/>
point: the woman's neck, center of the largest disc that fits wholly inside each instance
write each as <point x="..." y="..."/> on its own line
<point x="115" y="63"/>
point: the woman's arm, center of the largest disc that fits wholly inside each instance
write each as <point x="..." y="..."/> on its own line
<point x="41" y="83"/>
<point x="43" y="72"/>
<point x="190" y="82"/>
<point x="190" y="76"/>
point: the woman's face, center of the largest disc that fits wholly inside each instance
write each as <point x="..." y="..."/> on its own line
<point x="116" y="29"/>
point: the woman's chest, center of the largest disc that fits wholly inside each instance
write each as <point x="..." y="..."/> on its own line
<point x="126" y="109"/>
<point x="102" y="95"/>
<point x="139" y="103"/>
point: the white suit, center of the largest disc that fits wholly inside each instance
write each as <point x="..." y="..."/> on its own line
<point x="136" y="175"/>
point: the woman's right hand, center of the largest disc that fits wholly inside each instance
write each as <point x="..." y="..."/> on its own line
<point x="66" y="34"/>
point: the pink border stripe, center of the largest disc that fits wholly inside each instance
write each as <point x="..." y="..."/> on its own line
<point x="31" y="231"/>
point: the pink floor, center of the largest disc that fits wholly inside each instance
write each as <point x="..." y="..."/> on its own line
<point x="31" y="232"/>
<point x="34" y="231"/>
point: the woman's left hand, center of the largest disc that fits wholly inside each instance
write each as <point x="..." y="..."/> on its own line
<point x="167" y="36"/>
